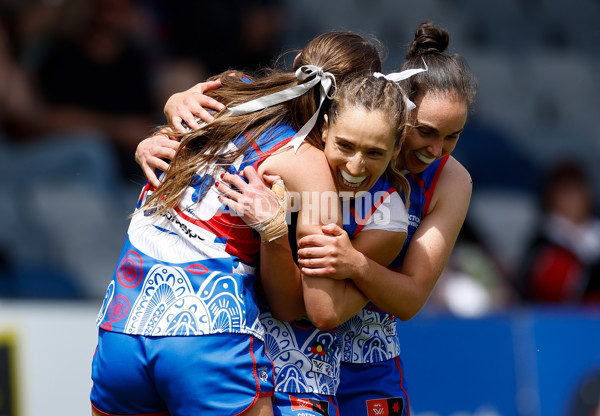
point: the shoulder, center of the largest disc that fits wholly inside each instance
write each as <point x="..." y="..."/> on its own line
<point x="454" y="185"/>
<point x="454" y="176"/>
<point x="306" y="157"/>
<point x="302" y="169"/>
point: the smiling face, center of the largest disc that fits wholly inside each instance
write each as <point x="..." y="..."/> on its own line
<point x="359" y="146"/>
<point x="438" y="121"/>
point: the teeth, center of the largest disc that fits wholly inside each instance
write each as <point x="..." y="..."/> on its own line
<point x="352" y="179"/>
<point x="424" y="158"/>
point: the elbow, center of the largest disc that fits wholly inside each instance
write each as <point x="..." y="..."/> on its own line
<point x="325" y="325"/>
<point x="289" y="311"/>
<point x="284" y="317"/>
<point x="287" y="314"/>
<point x="407" y="315"/>
<point x="410" y="310"/>
<point x="324" y="320"/>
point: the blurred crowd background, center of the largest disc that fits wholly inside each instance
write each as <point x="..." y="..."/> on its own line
<point x="83" y="81"/>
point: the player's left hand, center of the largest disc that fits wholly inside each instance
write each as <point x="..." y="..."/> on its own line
<point x="329" y="254"/>
<point x="187" y="109"/>
<point x="151" y="153"/>
<point x="254" y="200"/>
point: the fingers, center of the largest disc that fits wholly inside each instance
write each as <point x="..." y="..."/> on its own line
<point x="316" y="262"/>
<point x="235" y="180"/>
<point x="228" y="192"/>
<point x="331" y="233"/>
<point x="162" y="147"/>
<point x="316" y="267"/>
<point x="176" y="122"/>
<point x="190" y="107"/>
<point x="312" y="263"/>
<point x="269" y="180"/>
<point x="149" y="166"/>
<point x="241" y="204"/>
<point x="318" y="272"/>
<point x="150" y="154"/>
<point x="332" y="229"/>
<point x="209" y="85"/>
<point x="208" y="102"/>
<point x="155" y="147"/>
<point x="150" y="174"/>
<point x="230" y="198"/>
<point x="250" y="173"/>
<point x="201" y="115"/>
<point x="167" y="141"/>
<point x="314" y="252"/>
<point x="315" y="240"/>
<point x="157" y="163"/>
<point x="230" y="203"/>
<point x="182" y="108"/>
<point x="190" y="110"/>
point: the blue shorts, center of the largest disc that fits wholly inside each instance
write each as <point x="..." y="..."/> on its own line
<point x="304" y="404"/>
<point x="373" y="389"/>
<point x="221" y="374"/>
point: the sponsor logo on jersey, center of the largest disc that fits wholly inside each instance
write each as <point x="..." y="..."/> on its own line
<point x="389" y="327"/>
<point x="263" y="374"/>
<point x="414" y="220"/>
<point x="320" y="407"/>
<point x="322" y="367"/>
<point x="185" y="229"/>
<point x="393" y="406"/>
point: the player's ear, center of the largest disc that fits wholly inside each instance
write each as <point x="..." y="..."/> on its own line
<point x="325" y="129"/>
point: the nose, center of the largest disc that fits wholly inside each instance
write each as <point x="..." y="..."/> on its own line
<point x="436" y="148"/>
<point x="356" y="164"/>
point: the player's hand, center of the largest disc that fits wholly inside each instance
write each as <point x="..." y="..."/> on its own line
<point x="330" y="254"/>
<point x="190" y="106"/>
<point x="253" y="201"/>
<point x="151" y="152"/>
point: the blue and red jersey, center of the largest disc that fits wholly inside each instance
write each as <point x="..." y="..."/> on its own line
<point x="370" y="336"/>
<point x="192" y="270"/>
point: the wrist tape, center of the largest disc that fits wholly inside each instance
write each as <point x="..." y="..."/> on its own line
<point x="275" y="226"/>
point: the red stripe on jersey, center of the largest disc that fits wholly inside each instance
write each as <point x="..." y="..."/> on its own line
<point x="429" y="192"/>
<point x="254" y="145"/>
<point x="269" y="152"/>
<point x="372" y="211"/>
<point x="399" y="367"/>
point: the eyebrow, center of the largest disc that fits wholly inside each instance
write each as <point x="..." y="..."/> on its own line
<point x="419" y="124"/>
<point x="380" y="149"/>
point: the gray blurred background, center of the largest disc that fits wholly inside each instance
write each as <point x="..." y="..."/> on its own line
<point x="83" y="81"/>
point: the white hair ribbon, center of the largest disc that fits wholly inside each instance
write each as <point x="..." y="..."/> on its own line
<point x="402" y="75"/>
<point x="304" y="72"/>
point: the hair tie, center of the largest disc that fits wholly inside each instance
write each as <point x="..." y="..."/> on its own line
<point x="326" y="79"/>
<point x="402" y="75"/>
